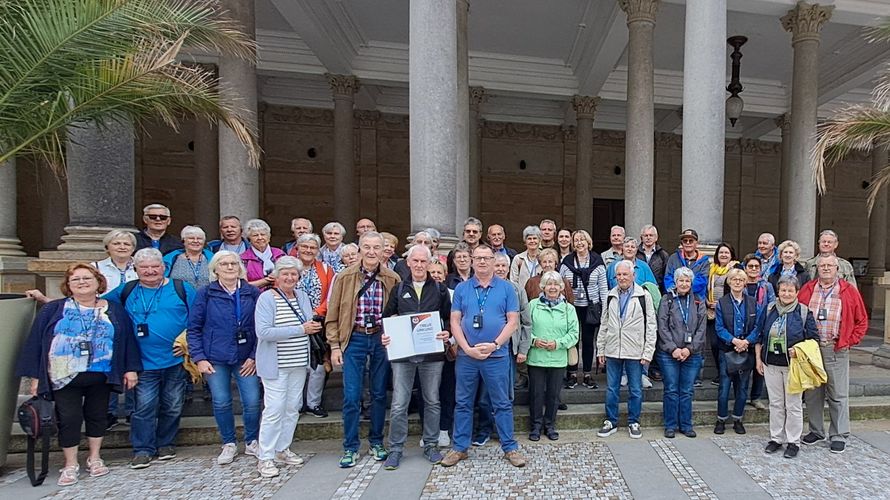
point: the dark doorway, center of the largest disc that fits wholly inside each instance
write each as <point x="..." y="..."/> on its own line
<point x="606" y="213"/>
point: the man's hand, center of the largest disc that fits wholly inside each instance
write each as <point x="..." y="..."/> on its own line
<point x="443" y="335"/>
<point x="33" y="390"/>
<point x="759" y="366"/>
<point x="644" y="362"/>
<point x="520" y="358"/>
<point x="336" y="357"/>
<point x="130" y="380"/>
<point x="477" y="352"/>
<point x="248" y="368"/>
<point x="677" y="354"/>
<point x="601" y="360"/>
<point x="385" y="340"/>
<point x="205" y="367"/>
<point x="741" y="345"/>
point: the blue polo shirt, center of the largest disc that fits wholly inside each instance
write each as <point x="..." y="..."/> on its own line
<point x="493" y="302"/>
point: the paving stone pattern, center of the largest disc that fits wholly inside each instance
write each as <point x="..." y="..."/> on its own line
<point x="359" y="479"/>
<point x="689" y="480"/>
<point x="554" y="471"/>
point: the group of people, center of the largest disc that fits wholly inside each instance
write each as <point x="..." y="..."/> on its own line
<point x="160" y="314"/>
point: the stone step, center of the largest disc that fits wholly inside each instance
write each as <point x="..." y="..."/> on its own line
<point x="196" y="431"/>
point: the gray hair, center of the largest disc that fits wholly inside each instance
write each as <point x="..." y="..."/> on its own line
<point x="330" y="226"/>
<point x="148" y="255"/>
<point x="256" y="226"/>
<point x="617" y="227"/>
<point x="419" y="248"/>
<point x="829" y="232"/>
<point x="433" y="232"/>
<point x="769" y="237"/>
<point x="286" y="262"/>
<point x="218" y="256"/>
<point x="370" y="234"/>
<point x="631" y="239"/>
<point x="545" y="221"/>
<point x="473" y="221"/>
<point x="552" y="277"/>
<point x="425" y="233"/>
<point x="827" y="257"/>
<point x="351" y="246"/>
<point x="683" y="272"/>
<point x="500" y="256"/>
<point x="531" y="231"/>
<point x="155" y="206"/>
<point x="188" y="231"/>
<point x="295" y="219"/>
<point x="309" y="237"/>
<point x="625" y="263"/>
<point x="788" y="280"/>
<point x="648" y="227"/>
<point x="118" y="234"/>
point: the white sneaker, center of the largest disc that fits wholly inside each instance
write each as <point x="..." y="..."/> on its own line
<point x="624" y="381"/>
<point x="267" y="468"/>
<point x="647" y="384"/>
<point x="444" y="440"/>
<point x="288" y="457"/>
<point x="252" y="448"/>
<point x="634" y="431"/>
<point x="229" y="450"/>
<point x="421" y="443"/>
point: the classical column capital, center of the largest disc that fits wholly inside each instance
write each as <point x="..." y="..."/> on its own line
<point x="343" y="85"/>
<point x="366" y="118"/>
<point x="585" y="106"/>
<point x="805" y="21"/>
<point x="783" y="121"/>
<point x="639" y="10"/>
<point x="477" y="97"/>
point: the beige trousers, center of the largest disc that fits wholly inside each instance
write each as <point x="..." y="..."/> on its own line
<point x="785" y="409"/>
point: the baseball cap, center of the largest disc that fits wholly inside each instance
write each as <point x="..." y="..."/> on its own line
<point x="689" y="232"/>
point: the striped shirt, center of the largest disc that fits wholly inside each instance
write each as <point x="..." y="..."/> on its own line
<point x="293" y="352"/>
<point x="597" y="286"/>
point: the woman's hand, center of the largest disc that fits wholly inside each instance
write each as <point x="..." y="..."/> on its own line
<point x="792" y="352"/>
<point x="248" y="368"/>
<point x="37" y="295"/>
<point x="130" y="380"/>
<point x="178" y="351"/>
<point x="311" y="327"/>
<point x="33" y="390"/>
<point x="740" y="345"/>
<point x="759" y="366"/>
<point x="520" y="358"/>
<point x="677" y="354"/>
<point x="205" y="367"/>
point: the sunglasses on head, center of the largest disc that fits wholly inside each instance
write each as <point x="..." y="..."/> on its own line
<point x="158" y="216"/>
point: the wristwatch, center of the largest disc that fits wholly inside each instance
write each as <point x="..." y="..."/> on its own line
<point x="497" y="346"/>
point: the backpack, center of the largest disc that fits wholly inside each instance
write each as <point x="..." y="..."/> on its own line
<point x="642" y="299"/>
<point x="178" y="285"/>
<point x="37" y="417"/>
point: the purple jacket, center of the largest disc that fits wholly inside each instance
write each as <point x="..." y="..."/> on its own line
<point x="254" y="265"/>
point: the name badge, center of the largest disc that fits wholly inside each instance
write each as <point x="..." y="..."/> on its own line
<point x="822" y="315"/>
<point x="688" y="339"/>
<point x="477" y="321"/>
<point x="777" y="348"/>
<point x="369" y="321"/>
<point x="241" y="337"/>
<point x="142" y="330"/>
<point x="84" y="347"/>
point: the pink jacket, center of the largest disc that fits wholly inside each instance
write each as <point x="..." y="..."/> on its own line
<point x="254" y="265"/>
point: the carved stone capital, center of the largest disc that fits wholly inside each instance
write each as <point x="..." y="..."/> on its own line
<point x="783" y="122"/>
<point x="477" y="97"/>
<point x="585" y="106"/>
<point x="805" y="21"/>
<point x="343" y="85"/>
<point x="639" y="10"/>
<point x="366" y="118"/>
<point x="569" y="133"/>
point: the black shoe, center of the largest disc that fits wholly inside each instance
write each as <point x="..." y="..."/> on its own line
<point x="690" y="433"/>
<point x="738" y="427"/>
<point x="656" y="376"/>
<point x="166" y="453"/>
<point x="811" y="438"/>
<point x="320" y="412"/>
<point x="111" y="422"/>
<point x="534" y="435"/>
<point x="670" y="433"/>
<point x="773" y="447"/>
<point x="720" y="427"/>
<point x="551" y="434"/>
<point x="838" y="446"/>
<point x="562" y="406"/>
<point x="791" y="450"/>
<point x="571" y="381"/>
<point x="304" y="409"/>
<point x="588" y="382"/>
<point x="715" y="381"/>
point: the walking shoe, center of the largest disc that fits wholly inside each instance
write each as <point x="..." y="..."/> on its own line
<point x="534" y="435"/>
<point x="670" y="433"/>
<point x="588" y="382"/>
<point x="697" y="384"/>
<point x="432" y="454"/>
<point x="227" y="456"/>
<point x="571" y="381"/>
<point x="349" y="459"/>
<point x="97" y="467"/>
<point x="760" y="405"/>
<point x="68" y="475"/>
<point x="563" y="406"/>
<point x="452" y="458"/>
<point x="773" y="447"/>
<point x="791" y="450"/>
<point x="624" y="381"/>
<point x="166" y="453"/>
<point x="607" y="429"/>
<point x="647" y="384"/>
<point x="288" y="457"/>
<point x="690" y="433"/>
<point x="318" y="411"/>
<point x="812" y="438"/>
<point x="140" y="462"/>
<point x="515" y="458"/>
<point x="633" y="430"/>
<point x="392" y="460"/>
<point x="444" y="440"/>
<point x="481" y="441"/>
<point x="267" y="468"/>
<point x="715" y="381"/>
<point x="838" y="446"/>
<point x="111" y="422"/>
<point x="657" y="376"/>
<point x="304" y="409"/>
<point x="738" y="427"/>
<point x="551" y="434"/>
<point x="377" y="452"/>
<point x="252" y="448"/>
<point x="720" y="427"/>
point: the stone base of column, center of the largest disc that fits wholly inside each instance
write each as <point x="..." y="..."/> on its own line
<point x="881" y="357"/>
<point x="14" y="274"/>
<point x="873" y="293"/>
<point x="85" y="239"/>
<point x="11" y="246"/>
<point x="447" y="242"/>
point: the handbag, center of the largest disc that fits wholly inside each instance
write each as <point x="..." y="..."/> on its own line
<point x="594" y="311"/>
<point x="37" y="417"/>
<point x="317" y="345"/>
<point x="738" y="362"/>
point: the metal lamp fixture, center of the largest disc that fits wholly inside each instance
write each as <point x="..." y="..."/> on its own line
<point x="734" y="103"/>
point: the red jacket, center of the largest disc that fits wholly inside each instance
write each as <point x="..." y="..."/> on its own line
<point x="326" y="276"/>
<point x="854" y="319"/>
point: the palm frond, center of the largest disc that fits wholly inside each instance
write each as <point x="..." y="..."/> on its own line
<point x="878" y="182"/>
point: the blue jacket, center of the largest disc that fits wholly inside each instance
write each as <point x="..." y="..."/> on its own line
<point x="725" y="325"/>
<point x="699" y="267"/>
<point x="642" y="273"/>
<point x="216" y="245"/>
<point x="212" y="328"/>
<point x="795" y="329"/>
<point x="171" y="257"/>
<point x="34" y="358"/>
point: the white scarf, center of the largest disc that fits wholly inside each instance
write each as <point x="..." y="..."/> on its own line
<point x="266" y="257"/>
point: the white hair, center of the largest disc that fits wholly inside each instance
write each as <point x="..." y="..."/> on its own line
<point x="769" y="237"/>
<point x="287" y="262"/>
<point x="370" y="234"/>
<point x="625" y="263"/>
<point x="148" y="255"/>
<point x="681" y="272"/>
<point x="118" y="234"/>
<point x="419" y="248"/>
<point x="309" y="237"/>
<point x="531" y="231"/>
<point x="257" y="225"/>
<point x="155" y="206"/>
<point x="648" y="227"/>
<point x="218" y="256"/>
<point x="295" y="219"/>
<point x="552" y="277"/>
<point x="330" y="226"/>
<point x="189" y="231"/>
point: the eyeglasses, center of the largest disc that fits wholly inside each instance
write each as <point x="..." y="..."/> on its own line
<point x="229" y="264"/>
<point x="472" y="231"/>
<point x="827" y="266"/>
<point x="161" y="217"/>
<point x="483" y="259"/>
<point x="82" y="279"/>
<point x="687" y="241"/>
<point x="752" y="266"/>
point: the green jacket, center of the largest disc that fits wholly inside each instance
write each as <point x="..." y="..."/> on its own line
<point x="558" y="323"/>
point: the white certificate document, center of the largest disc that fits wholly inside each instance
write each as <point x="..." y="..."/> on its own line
<point x="413" y="335"/>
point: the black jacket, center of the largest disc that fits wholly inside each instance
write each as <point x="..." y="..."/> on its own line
<point x="658" y="264"/>
<point x="433" y="297"/>
<point x="802" y="276"/>
<point x="167" y="243"/>
<point x="796" y="329"/>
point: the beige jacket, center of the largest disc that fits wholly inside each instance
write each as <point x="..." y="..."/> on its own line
<point x="340" y="318"/>
<point x="633" y="338"/>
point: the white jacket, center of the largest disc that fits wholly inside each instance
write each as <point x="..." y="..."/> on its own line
<point x="633" y="338"/>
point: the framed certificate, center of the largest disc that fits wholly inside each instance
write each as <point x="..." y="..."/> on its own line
<point x="413" y="335"/>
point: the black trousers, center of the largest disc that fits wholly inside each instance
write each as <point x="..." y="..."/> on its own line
<point x="587" y="342"/>
<point x="544" y="385"/>
<point x="83" y="400"/>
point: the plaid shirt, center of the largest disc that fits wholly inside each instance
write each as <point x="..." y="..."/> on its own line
<point x="370" y="302"/>
<point x="830" y="301"/>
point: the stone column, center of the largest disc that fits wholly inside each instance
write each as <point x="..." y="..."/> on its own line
<point x="433" y="101"/>
<point x="784" y="124"/>
<point x="477" y="97"/>
<point x="206" y="161"/>
<point x="704" y="118"/>
<point x="805" y="22"/>
<point x="881" y="357"/>
<point x="344" y="88"/>
<point x="238" y="181"/>
<point x="14" y="275"/>
<point x="877" y="240"/>
<point x="585" y="109"/>
<point x="639" y="156"/>
<point x="462" y="148"/>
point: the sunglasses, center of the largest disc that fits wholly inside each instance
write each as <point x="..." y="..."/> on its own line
<point x="158" y="216"/>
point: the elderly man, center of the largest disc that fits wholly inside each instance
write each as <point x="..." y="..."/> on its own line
<point x="471" y="236"/>
<point x="484" y="316"/>
<point x="616" y="238"/>
<point x="496" y="237"/>
<point x="828" y="243"/>
<point x="157" y="219"/>
<point x="766" y="252"/>
<point x="841" y="321"/>
<point x="548" y="234"/>
<point x="626" y="342"/>
<point x="353" y="327"/>
<point x="642" y="272"/>
<point x="689" y="256"/>
<point x="298" y="227"/>
<point x="419" y="294"/>
<point x="231" y="237"/>
<point x="652" y="253"/>
<point x="362" y="227"/>
<point x="159" y="309"/>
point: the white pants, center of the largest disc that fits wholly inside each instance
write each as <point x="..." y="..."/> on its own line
<point x="315" y="385"/>
<point x="785" y="409"/>
<point x="283" y="399"/>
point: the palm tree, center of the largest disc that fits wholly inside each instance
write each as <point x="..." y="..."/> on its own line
<point x="860" y="127"/>
<point x="76" y="62"/>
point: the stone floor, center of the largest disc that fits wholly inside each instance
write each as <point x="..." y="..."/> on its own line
<point x="579" y="465"/>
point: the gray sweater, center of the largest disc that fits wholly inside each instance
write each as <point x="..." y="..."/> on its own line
<point x="268" y="334"/>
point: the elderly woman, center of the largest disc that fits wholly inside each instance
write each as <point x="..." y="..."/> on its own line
<point x="118" y="267"/>
<point x="435" y="235"/>
<point x="284" y="318"/>
<point x="564" y="243"/>
<point x="390" y="247"/>
<point x="333" y="233"/>
<point x="762" y="291"/>
<point x="785" y="324"/>
<point x="525" y="265"/>
<point x="259" y="259"/>
<point x="222" y="342"/>
<point x="81" y="348"/>
<point x="554" y="329"/>
<point x="189" y="264"/>
<point x="682" y="319"/>
<point x="549" y="259"/>
<point x="587" y="272"/>
<point x="420" y="238"/>
<point x="349" y="254"/>
<point x="788" y="265"/>
<point x="463" y="269"/>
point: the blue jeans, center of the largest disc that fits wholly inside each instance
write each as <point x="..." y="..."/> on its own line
<point x="220" y="384"/>
<point x="159" y="398"/>
<point x="740" y="391"/>
<point x="129" y="403"/>
<point x="360" y="348"/>
<point x="484" y="414"/>
<point x="495" y="374"/>
<point x="679" y="378"/>
<point x="614" y="368"/>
